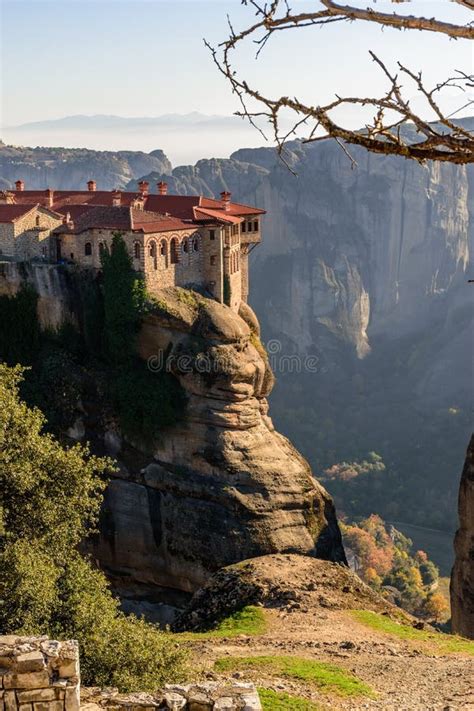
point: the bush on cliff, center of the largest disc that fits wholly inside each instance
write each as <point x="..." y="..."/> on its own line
<point x="48" y="497"/>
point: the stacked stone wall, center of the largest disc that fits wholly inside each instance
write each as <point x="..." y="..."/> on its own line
<point x="38" y="674"/>
<point x="209" y="696"/>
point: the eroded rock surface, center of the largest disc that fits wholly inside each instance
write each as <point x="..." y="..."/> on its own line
<point x="462" y="576"/>
<point x="224" y="485"/>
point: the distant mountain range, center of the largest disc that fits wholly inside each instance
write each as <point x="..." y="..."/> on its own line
<point x="184" y="137"/>
<point x="107" y="122"/>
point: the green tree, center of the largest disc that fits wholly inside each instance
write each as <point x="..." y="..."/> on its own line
<point x="49" y="498"/>
<point x="124" y="296"/>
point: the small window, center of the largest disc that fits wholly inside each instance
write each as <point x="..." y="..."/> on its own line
<point x="196" y="244"/>
<point x="136" y="250"/>
<point x="255" y="226"/>
<point x="174" y="251"/>
<point x="244" y="227"/>
<point x="37" y="221"/>
<point x="213" y="260"/>
<point x="72" y="255"/>
<point x="101" y="248"/>
<point x="88" y="249"/>
<point x="212" y="234"/>
<point x="152" y="253"/>
<point x="163" y="250"/>
<point x="185" y="246"/>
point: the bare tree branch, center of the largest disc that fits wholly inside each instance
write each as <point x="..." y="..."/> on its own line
<point x="387" y="133"/>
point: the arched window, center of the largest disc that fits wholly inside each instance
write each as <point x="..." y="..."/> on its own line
<point x="196" y="244"/>
<point x="101" y="248"/>
<point x="174" y="251"/>
<point x="152" y="253"/>
<point x="136" y="250"/>
<point x="88" y="249"/>
<point x="185" y="246"/>
<point x="164" y="252"/>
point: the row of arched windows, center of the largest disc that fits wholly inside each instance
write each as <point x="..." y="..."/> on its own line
<point x="172" y="255"/>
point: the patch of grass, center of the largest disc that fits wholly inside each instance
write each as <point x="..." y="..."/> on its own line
<point x="248" y="621"/>
<point x="280" y="701"/>
<point x="444" y="643"/>
<point x="326" y="677"/>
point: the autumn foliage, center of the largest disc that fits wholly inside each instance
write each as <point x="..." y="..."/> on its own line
<point x="383" y="558"/>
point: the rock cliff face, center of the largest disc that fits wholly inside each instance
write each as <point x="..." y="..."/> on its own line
<point x="462" y="576"/>
<point x="366" y="269"/>
<point x="220" y="487"/>
<point x="224" y="485"/>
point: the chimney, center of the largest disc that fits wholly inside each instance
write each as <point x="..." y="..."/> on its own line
<point x="91" y="186"/>
<point x="162" y="188"/>
<point x="143" y="186"/>
<point x="116" y="198"/>
<point x="20" y="185"/>
<point x="225" y="197"/>
<point x="49" y="197"/>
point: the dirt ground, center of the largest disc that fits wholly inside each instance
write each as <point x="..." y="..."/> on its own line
<point x="315" y="622"/>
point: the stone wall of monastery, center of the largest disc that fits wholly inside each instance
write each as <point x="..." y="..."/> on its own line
<point x="31" y="234"/>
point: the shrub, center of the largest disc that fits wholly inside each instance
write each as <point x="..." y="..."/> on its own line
<point x="48" y="497"/>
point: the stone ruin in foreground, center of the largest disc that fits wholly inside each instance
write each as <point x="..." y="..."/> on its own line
<point x="39" y="674"/>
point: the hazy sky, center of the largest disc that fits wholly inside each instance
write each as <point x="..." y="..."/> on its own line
<point x="146" y="57"/>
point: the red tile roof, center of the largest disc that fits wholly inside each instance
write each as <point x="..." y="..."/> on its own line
<point x="123" y="218"/>
<point x="179" y="206"/>
<point x="201" y="214"/>
<point x="10" y="213"/>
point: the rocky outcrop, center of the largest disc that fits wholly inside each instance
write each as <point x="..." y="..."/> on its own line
<point x="224" y="485"/>
<point x="281" y="581"/>
<point x="462" y="576"/>
<point x="71" y="168"/>
<point x="220" y="487"/>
